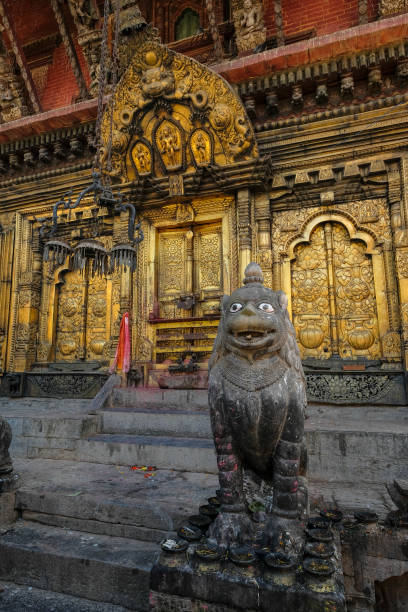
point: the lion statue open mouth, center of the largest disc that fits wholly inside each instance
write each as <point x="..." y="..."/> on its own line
<point x="257" y="400"/>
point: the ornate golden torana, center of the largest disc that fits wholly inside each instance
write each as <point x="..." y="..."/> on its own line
<point x="172" y="115"/>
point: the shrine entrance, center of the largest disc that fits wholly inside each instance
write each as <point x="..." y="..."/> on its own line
<point x="83" y="318"/>
<point x="189" y="286"/>
<point x="337" y="284"/>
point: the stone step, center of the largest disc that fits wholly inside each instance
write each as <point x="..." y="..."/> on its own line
<point x="169" y="399"/>
<point x="48" y="428"/>
<point x="181" y="453"/>
<point x="100" y="568"/>
<point x="110" y="500"/>
<point x="16" y="598"/>
<point x="155" y="422"/>
<point x="342" y="453"/>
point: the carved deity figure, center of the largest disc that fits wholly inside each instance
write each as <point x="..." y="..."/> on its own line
<point x="84" y="14"/>
<point x="6" y="465"/>
<point x="201" y="147"/>
<point x="251" y="19"/>
<point x="169" y="145"/>
<point x="257" y="400"/>
<point x="12" y="105"/>
<point x="2" y="339"/>
<point x="249" y="25"/>
<point x="144" y="159"/>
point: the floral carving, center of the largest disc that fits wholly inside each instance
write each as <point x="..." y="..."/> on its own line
<point x="342" y="389"/>
<point x="402" y="264"/>
<point x="391" y="7"/>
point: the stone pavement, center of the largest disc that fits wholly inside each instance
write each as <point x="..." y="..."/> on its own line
<point x="89" y="526"/>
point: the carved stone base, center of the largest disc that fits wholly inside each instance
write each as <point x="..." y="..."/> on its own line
<point x="181" y="581"/>
<point x="366" y="387"/>
<point x="67" y="384"/>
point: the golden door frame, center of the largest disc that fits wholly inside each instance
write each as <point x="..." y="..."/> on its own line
<point x="374" y="250"/>
<point x="210" y="209"/>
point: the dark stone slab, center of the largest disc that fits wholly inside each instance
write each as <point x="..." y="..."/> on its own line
<point x="183" y="582"/>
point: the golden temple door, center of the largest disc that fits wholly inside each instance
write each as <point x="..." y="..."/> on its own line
<point x="333" y="296"/>
<point x="189" y="287"/>
<point x="190" y="271"/>
<point x="83" y="318"/>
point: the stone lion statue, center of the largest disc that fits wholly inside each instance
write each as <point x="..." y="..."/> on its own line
<point x="6" y="465"/>
<point x="257" y="401"/>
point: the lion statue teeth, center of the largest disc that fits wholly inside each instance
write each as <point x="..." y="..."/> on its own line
<point x="257" y="400"/>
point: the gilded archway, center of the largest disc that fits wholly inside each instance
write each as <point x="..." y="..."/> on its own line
<point x="172" y="115"/>
<point x="333" y="295"/>
<point x="334" y="266"/>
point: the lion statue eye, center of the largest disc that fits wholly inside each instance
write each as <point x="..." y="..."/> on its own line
<point x="235" y="307"/>
<point x="266" y="307"/>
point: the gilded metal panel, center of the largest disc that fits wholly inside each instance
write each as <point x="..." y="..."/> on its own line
<point x="172" y="272"/>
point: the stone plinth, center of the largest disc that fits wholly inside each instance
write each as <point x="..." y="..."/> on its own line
<point x="181" y="581"/>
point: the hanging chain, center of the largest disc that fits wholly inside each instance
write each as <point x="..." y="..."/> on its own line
<point x="101" y="86"/>
<point x="115" y="69"/>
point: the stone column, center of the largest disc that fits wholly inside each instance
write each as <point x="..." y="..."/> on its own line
<point x="263" y="219"/>
<point x="398" y="197"/>
<point x="244" y="230"/>
<point x="6" y="265"/>
<point x="29" y="290"/>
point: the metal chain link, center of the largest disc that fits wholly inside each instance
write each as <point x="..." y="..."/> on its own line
<point x="101" y="86"/>
<point x="115" y="69"/>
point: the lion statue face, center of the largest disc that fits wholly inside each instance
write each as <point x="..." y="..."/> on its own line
<point x="254" y="320"/>
<point x="255" y="324"/>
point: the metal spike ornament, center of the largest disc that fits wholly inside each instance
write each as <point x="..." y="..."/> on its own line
<point x="89" y="254"/>
<point x="56" y="251"/>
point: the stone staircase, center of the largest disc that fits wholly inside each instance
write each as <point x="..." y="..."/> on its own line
<point x="152" y="429"/>
<point x="90" y="526"/>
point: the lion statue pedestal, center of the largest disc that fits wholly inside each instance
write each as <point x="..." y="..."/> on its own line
<point x="8" y="480"/>
<point x="252" y="551"/>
